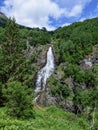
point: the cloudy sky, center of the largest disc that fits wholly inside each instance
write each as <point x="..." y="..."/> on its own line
<point x="49" y="13"/>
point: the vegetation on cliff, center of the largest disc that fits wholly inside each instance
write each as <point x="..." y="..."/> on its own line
<point x="71" y="45"/>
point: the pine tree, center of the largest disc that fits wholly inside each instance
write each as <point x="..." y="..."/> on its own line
<point x="11" y="55"/>
<point x="18" y="95"/>
<point x="19" y="100"/>
<point x="12" y="49"/>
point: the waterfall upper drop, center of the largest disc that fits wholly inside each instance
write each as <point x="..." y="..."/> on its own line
<point x="45" y="72"/>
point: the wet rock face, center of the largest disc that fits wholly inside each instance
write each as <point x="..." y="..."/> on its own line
<point x="69" y="105"/>
<point x="69" y="82"/>
<point x="95" y="59"/>
<point x="86" y="64"/>
<point x="80" y="85"/>
<point x="50" y="99"/>
<point x="42" y="51"/>
<point x="91" y="60"/>
<point x="39" y="53"/>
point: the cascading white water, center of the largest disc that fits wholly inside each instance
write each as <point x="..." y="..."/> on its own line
<point x="45" y="72"/>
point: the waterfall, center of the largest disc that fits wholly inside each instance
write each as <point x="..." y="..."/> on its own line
<point x="45" y="72"/>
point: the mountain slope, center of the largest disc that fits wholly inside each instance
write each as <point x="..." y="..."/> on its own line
<point x="3" y="20"/>
<point x="50" y="118"/>
<point x="74" y="83"/>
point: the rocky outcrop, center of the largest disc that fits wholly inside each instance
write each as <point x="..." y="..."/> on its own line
<point x="89" y="61"/>
<point x="46" y="97"/>
<point x="67" y="104"/>
<point x="69" y="82"/>
<point x="39" y="52"/>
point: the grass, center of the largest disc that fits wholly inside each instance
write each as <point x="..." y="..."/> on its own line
<point x="50" y="118"/>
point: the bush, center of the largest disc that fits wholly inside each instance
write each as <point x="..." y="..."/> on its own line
<point x="19" y="100"/>
<point x="59" y="88"/>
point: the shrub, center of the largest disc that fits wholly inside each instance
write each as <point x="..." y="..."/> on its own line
<point x="19" y="99"/>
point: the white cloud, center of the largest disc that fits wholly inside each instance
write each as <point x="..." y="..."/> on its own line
<point x="73" y="8"/>
<point x="66" y="24"/>
<point x="32" y="13"/>
<point x="76" y="10"/>
<point x="69" y="4"/>
<point x="37" y="13"/>
<point x="82" y="19"/>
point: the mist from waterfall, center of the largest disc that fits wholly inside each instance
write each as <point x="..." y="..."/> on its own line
<point x="45" y="72"/>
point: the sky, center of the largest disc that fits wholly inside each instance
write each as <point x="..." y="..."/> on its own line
<point x="50" y="14"/>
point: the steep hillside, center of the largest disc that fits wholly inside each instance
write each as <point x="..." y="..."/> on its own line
<point x="77" y="40"/>
<point x="50" y="118"/>
<point x="72" y="87"/>
<point x="3" y="20"/>
<point x="32" y="36"/>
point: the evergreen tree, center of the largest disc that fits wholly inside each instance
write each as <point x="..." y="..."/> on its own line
<point x="11" y="49"/>
<point x="11" y="55"/>
<point x="19" y="100"/>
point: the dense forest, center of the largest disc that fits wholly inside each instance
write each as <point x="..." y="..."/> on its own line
<point x="74" y="81"/>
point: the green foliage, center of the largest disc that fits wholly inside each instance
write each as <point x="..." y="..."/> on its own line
<point x="2" y="38"/>
<point x="13" y="64"/>
<point x="59" y="88"/>
<point x="93" y="97"/>
<point x="19" y="99"/>
<point x="79" y="75"/>
<point x="71" y="69"/>
<point x="81" y="97"/>
<point x="50" y="118"/>
<point x="86" y="77"/>
<point x="95" y="71"/>
<point x="72" y="43"/>
<point x="11" y="49"/>
<point x="3" y="21"/>
<point x="9" y="52"/>
<point x="37" y="37"/>
<point x="34" y="37"/>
